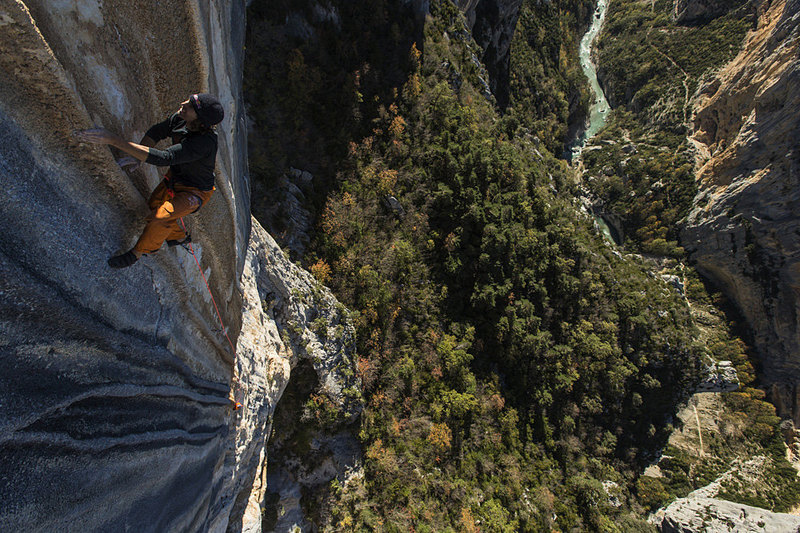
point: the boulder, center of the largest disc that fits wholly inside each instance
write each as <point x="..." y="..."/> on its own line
<point x="720" y="377"/>
<point x="675" y="281"/>
<point x="394" y="205"/>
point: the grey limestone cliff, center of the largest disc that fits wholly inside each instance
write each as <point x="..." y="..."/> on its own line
<point x="492" y="23"/>
<point x="114" y="410"/>
<point x="743" y="230"/>
<point x="711" y="515"/>
<point x="702" y="510"/>
<point x="697" y="11"/>
<point x="287" y="317"/>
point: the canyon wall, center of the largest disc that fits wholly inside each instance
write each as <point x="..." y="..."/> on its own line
<point x="492" y="23"/>
<point x="114" y="396"/>
<point x="743" y="230"/>
<point x="694" y="11"/>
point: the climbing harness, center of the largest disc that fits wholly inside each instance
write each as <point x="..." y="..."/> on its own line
<point x="171" y="192"/>
<point x="188" y="241"/>
<point x="184" y="243"/>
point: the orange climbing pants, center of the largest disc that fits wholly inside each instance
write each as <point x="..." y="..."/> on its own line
<point x="166" y="209"/>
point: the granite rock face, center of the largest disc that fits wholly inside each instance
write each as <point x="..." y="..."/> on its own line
<point x="743" y="230"/>
<point x="114" y="410"/>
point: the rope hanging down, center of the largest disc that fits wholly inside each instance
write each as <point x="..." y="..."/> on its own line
<point x="190" y="249"/>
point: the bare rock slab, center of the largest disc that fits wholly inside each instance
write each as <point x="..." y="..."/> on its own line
<point x="710" y="515"/>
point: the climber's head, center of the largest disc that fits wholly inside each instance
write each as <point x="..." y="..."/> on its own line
<point x="208" y="109"/>
<point x="187" y="112"/>
<point x="201" y="111"/>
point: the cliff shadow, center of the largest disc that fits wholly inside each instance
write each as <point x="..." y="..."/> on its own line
<point x="315" y="77"/>
<point x="306" y="450"/>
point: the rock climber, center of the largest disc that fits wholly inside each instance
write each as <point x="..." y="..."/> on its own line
<point x="190" y="181"/>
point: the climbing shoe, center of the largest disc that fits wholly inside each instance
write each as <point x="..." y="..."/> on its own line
<point x="236" y="405"/>
<point x="123" y="260"/>
<point x="185" y="241"/>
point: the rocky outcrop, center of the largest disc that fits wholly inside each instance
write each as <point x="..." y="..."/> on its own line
<point x="694" y="11"/>
<point x="282" y="207"/>
<point x="492" y="23"/>
<point x="743" y="230"/>
<point x="313" y="325"/>
<point x="287" y="318"/>
<point x="114" y="410"/>
<point x="702" y="511"/>
<point x="691" y="514"/>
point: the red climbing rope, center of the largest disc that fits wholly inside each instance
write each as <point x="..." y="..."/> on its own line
<point x="236" y="405"/>
<point x="219" y="316"/>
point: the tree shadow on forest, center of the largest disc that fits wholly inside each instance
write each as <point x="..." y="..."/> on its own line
<point x="315" y="76"/>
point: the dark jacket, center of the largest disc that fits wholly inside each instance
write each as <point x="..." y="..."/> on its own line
<point x="192" y="156"/>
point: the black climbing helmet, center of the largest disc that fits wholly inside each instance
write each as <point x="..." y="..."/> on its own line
<point x="208" y="108"/>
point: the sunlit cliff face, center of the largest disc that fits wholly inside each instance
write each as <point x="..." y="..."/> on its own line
<point x="743" y="229"/>
<point x="120" y="379"/>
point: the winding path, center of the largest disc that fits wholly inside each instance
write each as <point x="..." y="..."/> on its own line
<point x="685" y="76"/>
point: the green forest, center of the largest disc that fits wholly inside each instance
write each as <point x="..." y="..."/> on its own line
<point x="519" y="372"/>
<point x="650" y="67"/>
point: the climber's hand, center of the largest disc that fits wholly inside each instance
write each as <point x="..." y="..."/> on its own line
<point x="103" y="136"/>
<point x="131" y="164"/>
<point x="97" y="136"/>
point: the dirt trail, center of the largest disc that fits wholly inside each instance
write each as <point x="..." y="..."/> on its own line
<point x="686" y="77"/>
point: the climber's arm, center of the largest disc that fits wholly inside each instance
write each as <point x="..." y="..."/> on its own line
<point x="138" y="151"/>
<point x="147" y="141"/>
<point x="189" y="149"/>
<point x="103" y="136"/>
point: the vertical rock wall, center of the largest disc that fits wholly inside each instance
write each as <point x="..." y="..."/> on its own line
<point x="287" y="316"/>
<point x="744" y="229"/>
<point x="114" y="409"/>
<point x="113" y="397"/>
<point x="492" y="23"/>
<point x="694" y="11"/>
